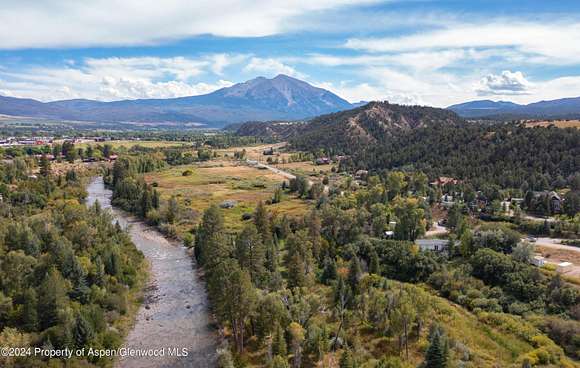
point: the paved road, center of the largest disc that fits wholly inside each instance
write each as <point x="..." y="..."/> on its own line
<point x="555" y="243"/>
<point x="288" y="175"/>
<point x="437" y="229"/>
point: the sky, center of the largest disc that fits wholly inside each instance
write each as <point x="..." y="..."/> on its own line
<point x="413" y="52"/>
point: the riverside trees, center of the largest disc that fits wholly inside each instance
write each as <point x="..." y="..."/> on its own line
<point x="67" y="274"/>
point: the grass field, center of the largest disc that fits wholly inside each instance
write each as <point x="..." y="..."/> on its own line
<point x="130" y="143"/>
<point x="217" y="181"/>
<point x="556" y="123"/>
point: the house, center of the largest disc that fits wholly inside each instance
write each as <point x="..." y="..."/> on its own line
<point x="268" y="152"/>
<point x="553" y="198"/>
<point x="538" y="261"/>
<point x="322" y="161"/>
<point x="389" y="234"/>
<point x="361" y="174"/>
<point x="434" y="245"/>
<point x="447" y="201"/>
<point x="444" y="180"/>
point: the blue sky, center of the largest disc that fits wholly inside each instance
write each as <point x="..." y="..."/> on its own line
<point x="426" y="52"/>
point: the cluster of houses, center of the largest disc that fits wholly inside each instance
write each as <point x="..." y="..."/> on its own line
<point x="25" y="141"/>
<point x="44" y="141"/>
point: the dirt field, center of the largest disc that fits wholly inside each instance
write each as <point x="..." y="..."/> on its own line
<point x="557" y="123"/>
<point x="555" y="256"/>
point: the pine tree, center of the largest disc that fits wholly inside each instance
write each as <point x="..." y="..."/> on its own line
<point x="279" y="342"/>
<point x="354" y="274"/>
<point x="329" y="273"/>
<point x="374" y="264"/>
<point x="172" y="210"/>
<point x="82" y="332"/>
<point x="437" y="353"/>
<point x="44" y="166"/>
<point x="299" y="261"/>
<point x="29" y="311"/>
<point x="250" y="253"/>
<point x="51" y="299"/>
<point x="211" y="226"/>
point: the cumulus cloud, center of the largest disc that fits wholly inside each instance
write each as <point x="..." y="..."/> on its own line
<point x="65" y="23"/>
<point x="506" y="83"/>
<point x="120" y="78"/>
<point x="270" y="67"/>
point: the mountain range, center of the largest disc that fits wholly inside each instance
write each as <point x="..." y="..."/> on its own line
<point x="259" y="99"/>
<point x="279" y="98"/>
<point x="564" y="108"/>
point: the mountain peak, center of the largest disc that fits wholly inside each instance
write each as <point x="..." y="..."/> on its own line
<point x="260" y="99"/>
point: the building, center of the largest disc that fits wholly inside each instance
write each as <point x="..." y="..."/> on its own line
<point x="538" y="261"/>
<point x="434" y="245"/>
<point x="361" y="174"/>
<point x="444" y="180"/>
<point x="322" y="161"/>
<point x="447" y="201"/>
<point x="552" y="197"/>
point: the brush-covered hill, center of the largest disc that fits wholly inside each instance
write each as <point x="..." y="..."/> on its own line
<point x="347" y="131"/>
<point x="371" y="124"/>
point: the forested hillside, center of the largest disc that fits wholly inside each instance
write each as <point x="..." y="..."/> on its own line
<point x="382" y="136"/>
<point x="68" y="276"/>
<point x="507" y="155"/>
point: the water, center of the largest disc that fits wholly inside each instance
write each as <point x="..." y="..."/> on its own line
<point x="175" y="311"/>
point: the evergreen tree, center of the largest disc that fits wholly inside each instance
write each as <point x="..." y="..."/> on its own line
<point x="279" y="342"/>
<point x="437" y="353"/>
<point x="82" y="331"/>
<point x="354" y="274"/>
<point x="374" y="264"/>
<point x="44" y="166"/>
<point x="211" y="226"/>
<point x="250" y="253"/>
<point x="172" y="210"/>
<point x="51" y="299"/>
<point x="299" y="260"/>
<point x="30" y="310"/>
<point x="329" y="273"/>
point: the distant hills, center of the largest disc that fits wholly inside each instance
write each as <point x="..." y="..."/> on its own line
<point x="279" y="98"/>
<point x="370" y="124"/>
<point x="564" y="108"/>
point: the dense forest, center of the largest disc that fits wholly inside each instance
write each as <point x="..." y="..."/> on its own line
<point x="69" y="276"/>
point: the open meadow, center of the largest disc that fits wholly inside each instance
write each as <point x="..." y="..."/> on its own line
<point x="220" y="182"/>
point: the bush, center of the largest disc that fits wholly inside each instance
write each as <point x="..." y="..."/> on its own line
<point x="187" y="173"/>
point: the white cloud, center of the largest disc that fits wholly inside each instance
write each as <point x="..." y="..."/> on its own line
<point x="65" y="23"/>
<point x="120" y="78"/>
<point x="506" y="83"/>
<point x="420" y="60"/>
<point x="270" y="67"/>
<point x="547" y="43"/>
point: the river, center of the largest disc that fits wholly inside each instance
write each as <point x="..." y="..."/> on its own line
<point x="174" y="313"/>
